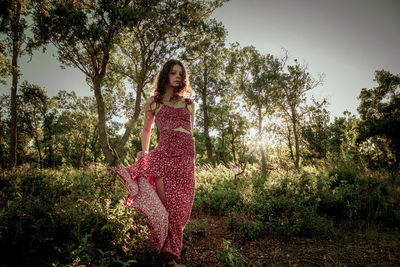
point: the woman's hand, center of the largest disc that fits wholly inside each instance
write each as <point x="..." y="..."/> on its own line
<point x="141" y="154"/>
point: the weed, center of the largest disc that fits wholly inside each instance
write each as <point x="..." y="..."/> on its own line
<point x="229" y="256"/>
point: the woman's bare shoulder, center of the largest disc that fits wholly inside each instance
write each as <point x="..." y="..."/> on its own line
<point x="189" y="101"/>
<point x="150" y="103"/>
<point x="190" y="104"/>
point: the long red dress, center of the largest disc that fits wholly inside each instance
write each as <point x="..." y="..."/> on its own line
<point x="173" y="160"/>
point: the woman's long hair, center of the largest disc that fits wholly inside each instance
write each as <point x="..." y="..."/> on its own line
<point x="162" y="79"/>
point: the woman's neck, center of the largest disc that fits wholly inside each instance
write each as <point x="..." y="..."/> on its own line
<point x="169" y="92"/>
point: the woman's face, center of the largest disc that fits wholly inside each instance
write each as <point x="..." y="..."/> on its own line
<point x="175" y="76"/>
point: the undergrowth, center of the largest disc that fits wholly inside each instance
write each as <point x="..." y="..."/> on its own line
<point x="68" y="217"/>
<point x="308" y="203"/>
<point x="71" y="217"/>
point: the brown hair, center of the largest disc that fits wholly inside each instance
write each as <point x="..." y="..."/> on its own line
<point x="161" y="82"/>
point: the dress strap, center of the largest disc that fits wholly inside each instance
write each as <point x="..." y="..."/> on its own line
<point x="158" y="100"/>
<point x="188" y="101"/>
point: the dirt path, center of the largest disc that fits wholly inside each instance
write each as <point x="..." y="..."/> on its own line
<point x="371" y="248"/>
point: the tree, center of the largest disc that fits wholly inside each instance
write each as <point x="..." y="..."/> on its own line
<point x="145" y="46"/>
<point x="230" y="126"/>
<point x="258" y="82"/>
<point x="237" y="128"/>
<point x="12" y="27"/>
<point x="49" y="131"/>
<point x="380" y="118"/>
<point x="85" y="34"/>
<point x="342" y="133"/>
<point x="294" y="86"/>
<point x="74" y="129"/>
<point x="3" y="132"/>
<point x="315" y="131"/>
<point x="33" y="110"/>
<point x="208" y="62"/>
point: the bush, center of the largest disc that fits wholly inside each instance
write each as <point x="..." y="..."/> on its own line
<point x="307" y="203"/>
<point x="347" y="171"/>
<point x="359" y="199"/>
<point x="251" y="229"/>
<point x="67" y="217"/>
<point x="229" y="256"/>
<point x="215" y="190"/>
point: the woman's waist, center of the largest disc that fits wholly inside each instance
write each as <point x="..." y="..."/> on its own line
<point x="180" y="129"/>
<point x="176" y="143"/>
<point x="172" y="139"/>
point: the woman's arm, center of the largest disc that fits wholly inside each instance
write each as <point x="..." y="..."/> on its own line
<point x="192" y="113"/>
<point x="148" y="121"/>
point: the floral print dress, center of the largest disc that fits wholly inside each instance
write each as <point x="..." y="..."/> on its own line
<point x="173" y="160"/>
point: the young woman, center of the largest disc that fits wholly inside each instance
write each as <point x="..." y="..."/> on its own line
<point x="162" y="181"/>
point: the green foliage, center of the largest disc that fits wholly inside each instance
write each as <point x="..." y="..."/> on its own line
<point x="229" y="256"/>
<point x="315" y="132"/>
<point x="305" y="204"/>
<point x="5" y="63"/>
<point x="288" y="216"/>
<point x="68" y="217"/>
<point x="352" y="197"/>
<point x="342" y="136"/>
<point x="248" y="229"/>
<point x="380" y="123"/>
<point x="215" y="189"/>
<point x="295" y="84"/>
<point x="346" y="170"/>
<point x="283" y="209"/>
<point x="195" y="228"/>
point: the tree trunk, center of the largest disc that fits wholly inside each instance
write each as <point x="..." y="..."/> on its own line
<point x="128" y="130"/>
<point x="15" y="75"/>
<point x="290" y="144"/>
<point x="296" y="141"/>
<point x="206" y="124"/>
<point x="39" y="150"/>
<point x="223" y="147"/>
<point x="93" y="145"/>
<point x="103" y="136"/>
<point x="50" y="148"/>
<point x="233" y="143"/>
<point x="263" y="158"/>
<point x="82" y="154"/>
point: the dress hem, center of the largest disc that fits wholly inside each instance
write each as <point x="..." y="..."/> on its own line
<point x="130" y="201"/>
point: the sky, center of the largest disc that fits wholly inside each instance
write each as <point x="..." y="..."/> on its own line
<point x="347" y="40"/>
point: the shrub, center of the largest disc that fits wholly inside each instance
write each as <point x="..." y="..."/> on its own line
<point x="346" y="170"/>
<point x="229" y="256"/>
<point x="215" y="189"/>
<point x="67" y="217"/>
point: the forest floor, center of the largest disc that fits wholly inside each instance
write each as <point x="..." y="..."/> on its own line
<point x="371" y="247"/>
